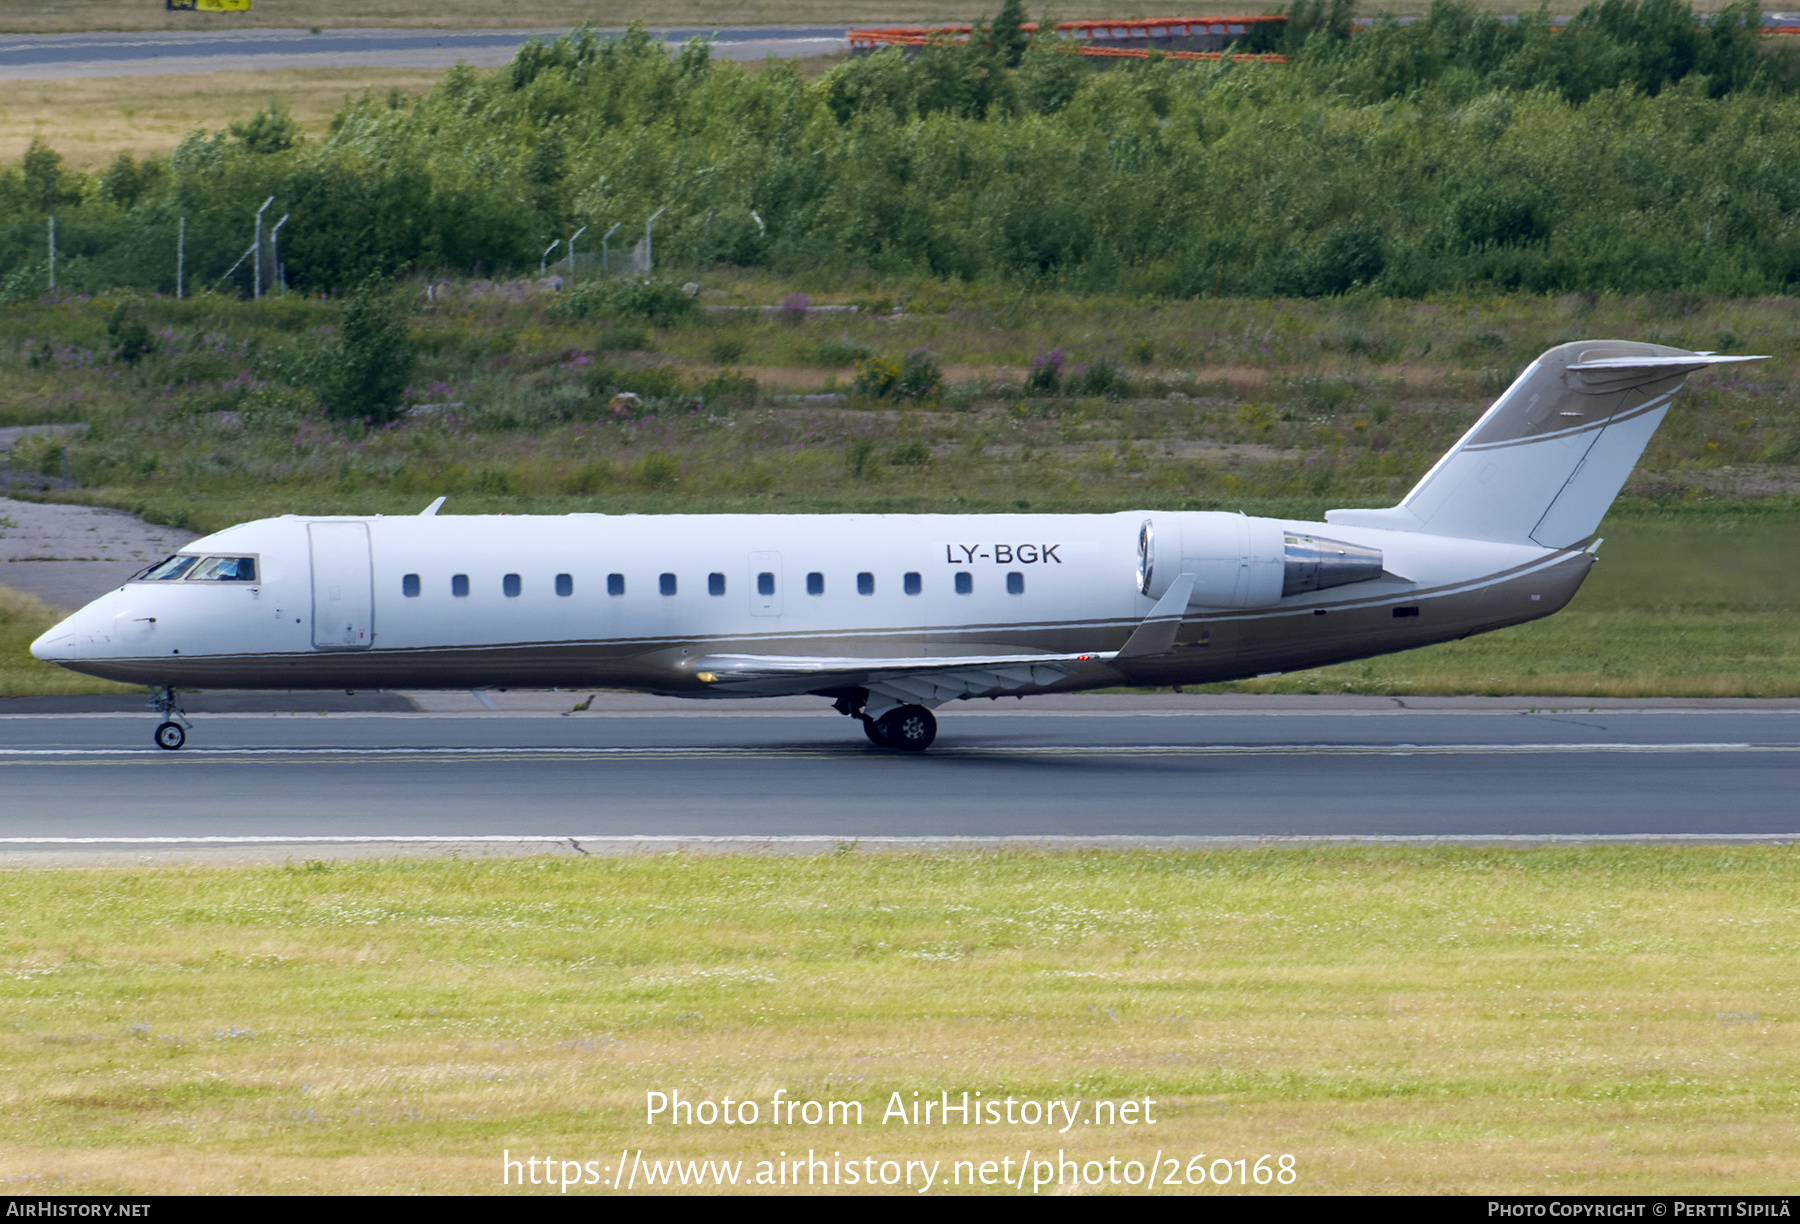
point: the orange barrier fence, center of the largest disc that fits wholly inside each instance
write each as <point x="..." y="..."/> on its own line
<point x="1187" y="38"/>
<point x="1182" y="38"/>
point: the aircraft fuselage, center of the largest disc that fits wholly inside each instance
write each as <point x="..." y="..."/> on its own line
<point x="639" y="602"/>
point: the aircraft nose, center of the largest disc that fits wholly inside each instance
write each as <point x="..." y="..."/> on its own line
<point x="56" y="645"/>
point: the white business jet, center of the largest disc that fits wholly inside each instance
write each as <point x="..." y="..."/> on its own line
<point x="891" y="616"/>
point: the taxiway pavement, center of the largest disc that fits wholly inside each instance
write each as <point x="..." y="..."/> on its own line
<point x="52" y="56"/>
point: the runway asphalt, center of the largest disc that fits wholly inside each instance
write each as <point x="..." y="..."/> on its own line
<point x="51" y="56"/>
<point x="1099" y="768"/>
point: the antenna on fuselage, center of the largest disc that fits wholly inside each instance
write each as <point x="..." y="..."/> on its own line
<point x="432" y="509"/>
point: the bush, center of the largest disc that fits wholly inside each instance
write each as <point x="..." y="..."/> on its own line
<point x="841" y="352"/>
<point x="876" y="378"/>
<point x="920" y="377"/>
<point x="662" y="302"/>
<point x="728" y="349"/>
<point x="860" y="459"/>
<point x="623" y="340"/>
<point x="728" y="388"/>
<point x="127" y="335"/>
<point x="1045" y="377"/>
<point x="1101" y="378"/>
<point x="375" y="357"/>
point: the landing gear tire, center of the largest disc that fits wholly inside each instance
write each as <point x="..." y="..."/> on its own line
<point x="170" y="735"/>
<point x="876" y="735"/>
<point x="910" y="728"/>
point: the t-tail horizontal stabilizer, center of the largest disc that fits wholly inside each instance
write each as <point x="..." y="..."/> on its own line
<point x="1543" y="464"/>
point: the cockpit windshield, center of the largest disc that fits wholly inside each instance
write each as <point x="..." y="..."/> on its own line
<point x="202" y="569"/>
<point x="224" y="569"/>
<point x="169" y="570"/>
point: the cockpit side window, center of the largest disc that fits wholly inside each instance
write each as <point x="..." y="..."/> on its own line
<point x="169" y="570"/>
<point x="224" y="569"/>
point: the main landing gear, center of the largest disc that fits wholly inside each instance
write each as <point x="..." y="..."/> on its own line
<point x="910" y="728"/>
<point x="171" y="733"/>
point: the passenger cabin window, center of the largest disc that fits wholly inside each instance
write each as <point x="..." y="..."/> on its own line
<point x="965" y="582"/>
<point x="565" y="584"/>
<point x="459" y="585"/>
<point x="765" y="584"/>
<point x="1015" y="583"/>
<point x="666" y="584"/>
<point x="510" y="586"/>
<point x="865" y="583"/>
<point x="715" y="584"/>
<point x="815" y="583"/>
<point x="224" y="569"/>
<point x="168" y="571"/>
<point x="409" y="586"/>
<point x="615" y="584"/>
<point x="911" y="583"/>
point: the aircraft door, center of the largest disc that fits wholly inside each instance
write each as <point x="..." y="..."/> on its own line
<point x="765" y="584"/>
<point x="343" y="611"/>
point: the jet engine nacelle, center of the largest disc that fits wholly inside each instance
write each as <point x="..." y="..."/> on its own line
<point x="1243" y="562"/>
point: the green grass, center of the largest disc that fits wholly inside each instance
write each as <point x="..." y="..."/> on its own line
<point x="1423" y="1021"/>
<point x="22" y="618"/>
<point x="1681" y="604"/>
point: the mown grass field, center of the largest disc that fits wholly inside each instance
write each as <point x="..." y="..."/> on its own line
<point x="90" y="120"/>
<point x="1597" y="1021"/>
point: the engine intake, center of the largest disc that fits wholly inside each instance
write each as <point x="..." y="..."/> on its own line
<point x="1310" y="563"/>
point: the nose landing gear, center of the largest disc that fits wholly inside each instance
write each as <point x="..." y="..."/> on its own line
<point x="171" y="733"/>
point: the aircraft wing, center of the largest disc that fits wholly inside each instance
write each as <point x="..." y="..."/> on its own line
<point x="922" y="680"/>
<point x="932" y="681"/>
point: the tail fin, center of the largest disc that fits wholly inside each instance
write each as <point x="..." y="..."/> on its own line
<point x="1546" y="461"/>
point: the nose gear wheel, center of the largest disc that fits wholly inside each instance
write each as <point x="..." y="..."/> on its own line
<point x="171" y="733"/>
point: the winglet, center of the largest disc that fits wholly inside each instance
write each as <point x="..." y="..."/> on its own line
<point x="431" y="510"/>
<point x="1156" y="635"/>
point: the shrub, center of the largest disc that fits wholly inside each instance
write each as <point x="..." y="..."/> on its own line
<point x="127" y="335"/>
<point x="728" y="349"/>
<point x="1101" y="378"/>
<point x="375" y="357"/>
<point x="841" y="352"/>
<point x="1046" y="372"/>
<point x="876" y="378"/>
<point x="662" y="302"/>
<point x="729" y="388"/>
<point x="794" y="309"/>
<point x="658" y="468"/>
<point x="920" y="377"/>
<point x="860" y="459"/>
<point x="622" y="340"/>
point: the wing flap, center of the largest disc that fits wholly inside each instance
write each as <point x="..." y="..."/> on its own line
<point x="725" y="668"/>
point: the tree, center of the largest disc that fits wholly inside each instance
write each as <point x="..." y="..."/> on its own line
<point x="43" y="175"/>
<point x="269" y="130"/>
<point x="1009" y="40"/>
<point x="375" y="358"/>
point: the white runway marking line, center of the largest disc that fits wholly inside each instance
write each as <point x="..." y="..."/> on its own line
<point x="858" y="751"/>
